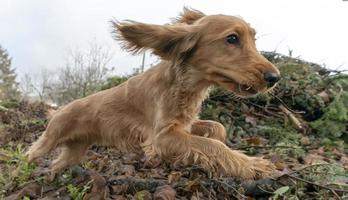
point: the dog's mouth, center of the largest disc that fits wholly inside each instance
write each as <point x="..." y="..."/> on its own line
<point x="240" y="89"/>
<point x="244" y="90"/>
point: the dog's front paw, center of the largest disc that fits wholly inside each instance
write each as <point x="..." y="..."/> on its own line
<point x="261" y="168"/>
<point x="245" y="167"/>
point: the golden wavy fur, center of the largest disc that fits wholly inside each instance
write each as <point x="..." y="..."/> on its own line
<point x="157" y="111"/>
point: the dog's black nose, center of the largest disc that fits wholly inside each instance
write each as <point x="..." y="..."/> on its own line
<point x="271" y="78"/>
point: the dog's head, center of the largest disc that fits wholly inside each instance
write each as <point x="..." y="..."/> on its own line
<point x="220" y="48"/>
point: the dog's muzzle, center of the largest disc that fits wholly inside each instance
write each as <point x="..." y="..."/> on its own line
<point x="271" y="78"/>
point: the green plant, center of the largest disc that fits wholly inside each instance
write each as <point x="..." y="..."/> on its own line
<point x="88" y="164"/>
<point x="280" y="191"/>
<point x="17" y="168"/>
<point x="77" y="194"/>
<point x="114" y="81"/>
<point x="333" y="123"/>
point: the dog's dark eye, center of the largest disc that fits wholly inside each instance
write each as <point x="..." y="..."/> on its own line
<point x="232" y="39"/>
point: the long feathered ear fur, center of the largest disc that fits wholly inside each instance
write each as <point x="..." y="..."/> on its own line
<point x="170" y="42"/>
<point x="188" y="16"/>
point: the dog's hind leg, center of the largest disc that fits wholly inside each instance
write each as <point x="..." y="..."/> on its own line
<point x="72" y="153"/>
<point x="41" y="147"/>
<point x="210" y="129"/>
<point x="51" y="138"/>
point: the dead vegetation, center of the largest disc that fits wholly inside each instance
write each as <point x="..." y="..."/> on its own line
<point x="301" y="127"/>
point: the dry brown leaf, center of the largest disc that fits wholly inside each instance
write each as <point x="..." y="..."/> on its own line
<point x="324" y="96"/>
<point x="311" y="159"/>
<point x="174" y="176"/>
<point x="344" y="161"/>
<point x="194" y="197"/>
<point x="31" y="190"/>
<point x="3" y="156"/>
<point x="91" y="155"/>
<point x="164" y="192"/>
<point x="305" y="140"/>
<point x="119" y="189"/>
<point x="279" y="165"/>
<point x="130" y="158"/>
<point x="193" y="185"/>
<point x="251" y="120"/>
<point x="128" y="170"/>
<point x="244" y="108"/>
<point x="255" y="140"/>
<point x="98" y="188"/>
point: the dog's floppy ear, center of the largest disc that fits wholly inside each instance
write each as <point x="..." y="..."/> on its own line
<point x="170" y="42"/>
<point x="188" y="16"/>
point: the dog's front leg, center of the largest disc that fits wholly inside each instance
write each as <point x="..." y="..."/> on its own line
<point x="174" y="144"/>
<point x="210" y="129"/>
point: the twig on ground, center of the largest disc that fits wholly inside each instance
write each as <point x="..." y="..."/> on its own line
<point x="292" y="117"/>
<point x="231" y="187"/>
<point x="306" y="167"/>
<point x="332" y="190"/>
<point x="264" y="108"/>
<point x="284" y="104"/>
<point x="291" y="176"/>
<point x="265" y="147"/>
<point x="270" y="192"/>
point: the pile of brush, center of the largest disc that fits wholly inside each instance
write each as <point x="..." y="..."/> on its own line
<point x="301" y="126"/>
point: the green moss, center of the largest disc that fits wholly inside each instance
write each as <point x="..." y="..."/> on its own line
<point x="333" y="123"/>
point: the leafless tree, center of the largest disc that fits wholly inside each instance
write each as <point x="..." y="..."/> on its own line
<point x="26" y="86"/>
<point x="43" y="85"/>
<point x="85" y="71"/>
<point x="39" y="85"/>
<point x="83" y="74"/>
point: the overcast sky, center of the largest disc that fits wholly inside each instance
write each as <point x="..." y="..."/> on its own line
<point x="38" y="33"/>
